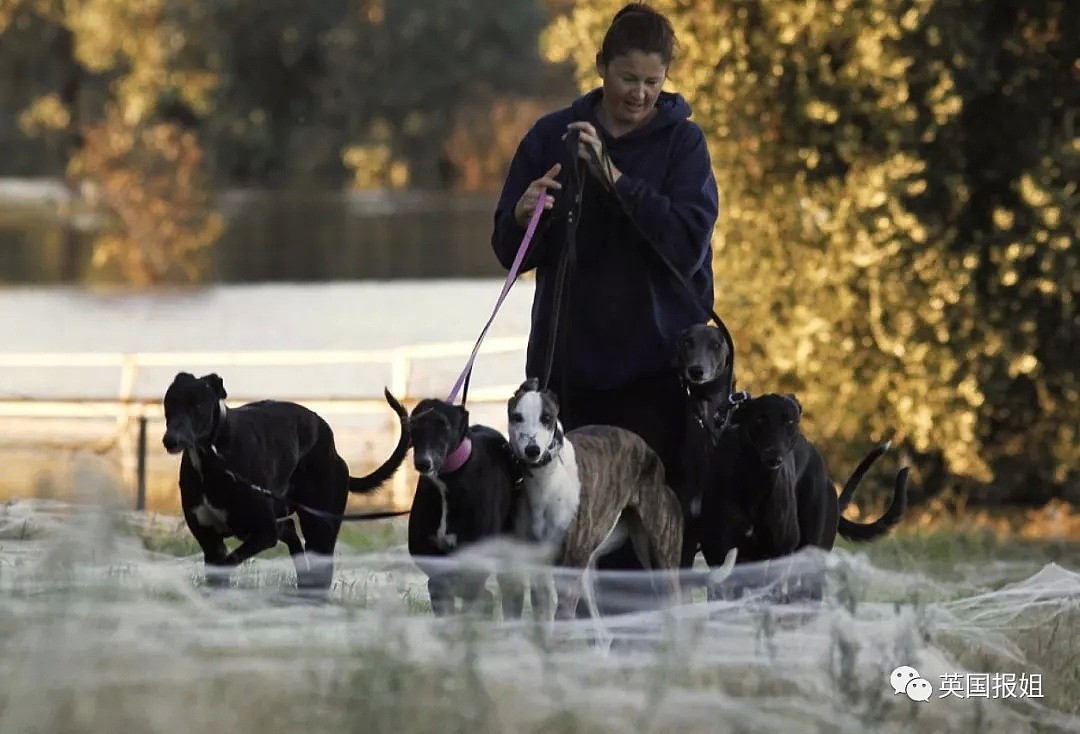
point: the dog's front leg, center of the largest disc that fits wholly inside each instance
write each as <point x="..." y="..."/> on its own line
<point x="251" y="545"/>
<point x="214" y="552"/>
<point x="543" y="596"/>
<point x="512" y="593"/>
<point x="570" y="590"/>
<point x="574" y="561"/>
<point x="781" y="518"/>
<point x="441" y="591"/>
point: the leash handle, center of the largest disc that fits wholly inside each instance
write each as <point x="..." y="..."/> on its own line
<point x="466" y="372"/>
<point x="567" y="256"/>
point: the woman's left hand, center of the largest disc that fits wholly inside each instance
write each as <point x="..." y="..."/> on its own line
<point x="591" y="150"/>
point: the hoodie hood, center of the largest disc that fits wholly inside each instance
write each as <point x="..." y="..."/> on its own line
<point x="672" y="108"/>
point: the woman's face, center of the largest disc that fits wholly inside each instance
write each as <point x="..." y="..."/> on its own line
<point x="632" y="82"/>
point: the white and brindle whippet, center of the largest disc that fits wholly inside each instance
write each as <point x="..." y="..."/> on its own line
<point x="583" y="491"/>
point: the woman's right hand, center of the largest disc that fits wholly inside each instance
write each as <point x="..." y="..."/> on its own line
<point x="524" y="208"/>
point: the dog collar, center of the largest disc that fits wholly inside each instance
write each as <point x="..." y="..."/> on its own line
<point x="457" y="458"/>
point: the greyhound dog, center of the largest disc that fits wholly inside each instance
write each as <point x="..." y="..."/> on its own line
<point x="704" y="361"/>
<point x="246" y="470"/>
<point x="579" y="486"/>
<point x="466" y="493"/>
<point x="772" y="494"/>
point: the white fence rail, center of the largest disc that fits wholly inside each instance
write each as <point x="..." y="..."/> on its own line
<point x="130" y="410"/>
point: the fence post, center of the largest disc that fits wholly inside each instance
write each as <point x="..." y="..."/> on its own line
<point x="129" y="368"/>
<point x="140" y="490"/>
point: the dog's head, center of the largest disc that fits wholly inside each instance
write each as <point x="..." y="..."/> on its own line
<point x="702" y="354"/>
<point x="533" y="419"/>
<point x="771" y="425"/>
<point x="193" y="405"/>
<point x="436" y="428"/>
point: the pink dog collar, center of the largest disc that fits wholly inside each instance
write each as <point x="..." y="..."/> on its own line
<point x="457" y="457"/>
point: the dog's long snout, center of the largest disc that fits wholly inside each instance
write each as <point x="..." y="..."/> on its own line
<point x="772" y="461"/>
<point x="532" y="451"/>
<point x="423" y="464"/>
<point x="695" y="372"/>
<point x="171" y="442"/>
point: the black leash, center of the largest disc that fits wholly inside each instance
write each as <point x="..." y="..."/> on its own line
<point x="568" y="255"/>
<point x="609" y="184"/>
<point x="214" y="454"/>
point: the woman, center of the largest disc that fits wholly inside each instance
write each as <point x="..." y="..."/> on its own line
<point x="624" y="309"/>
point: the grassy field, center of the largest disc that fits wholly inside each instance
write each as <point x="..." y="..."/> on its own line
<point x="105" y="625"/>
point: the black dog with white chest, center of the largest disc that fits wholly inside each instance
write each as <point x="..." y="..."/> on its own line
<point x="772" y="495"/>
<point x="704" y="360"/>
<point x="246" y="470"/>
<point x="467" y="492"/>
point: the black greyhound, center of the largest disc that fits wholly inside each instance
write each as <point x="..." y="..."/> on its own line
<point x="704" y="362"/>
<point x="770" y="493"/>
<point x="467" y="492"/>
<point x="246" y="470"/>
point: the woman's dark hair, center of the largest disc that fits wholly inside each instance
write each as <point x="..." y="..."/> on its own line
<point x="637" y="27"/>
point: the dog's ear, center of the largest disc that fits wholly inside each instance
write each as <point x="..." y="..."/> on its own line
<point x="553" y="399"/>
<point x="216" y="385"/>
<point x="798" y="405"/>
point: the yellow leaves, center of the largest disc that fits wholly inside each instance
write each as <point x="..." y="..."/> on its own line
<point x="149" y="180"/>
<point x="374" y="167"/>
<point x="943" y="99"/>
<point x="138" y="39"/>
<point x="850" y="290"/>
<point x="196" y="88"/>
<point x="45" y="114"/>
<point x="1025" y="364"/>
<point x="1032" y="193"/>
<point x="910" y="20"/>
<point x="482" y="139"/>
<point x="823" y="111"/>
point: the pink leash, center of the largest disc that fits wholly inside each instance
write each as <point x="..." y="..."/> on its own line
<point x="463" y="378"/>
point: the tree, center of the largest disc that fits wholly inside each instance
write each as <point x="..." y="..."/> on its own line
<point x="113" y="64"/>
<point x="887" y="176"/>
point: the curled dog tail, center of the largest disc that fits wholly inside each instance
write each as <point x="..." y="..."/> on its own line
<point x="863" y="532"/>
<point x="374" y="480"/>
<point x="856" y="476"/>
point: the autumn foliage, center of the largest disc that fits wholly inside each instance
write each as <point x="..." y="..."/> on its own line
<point x="898" y="235"/>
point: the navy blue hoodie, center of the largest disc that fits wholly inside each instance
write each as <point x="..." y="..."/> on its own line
<point x="624" y="309"/>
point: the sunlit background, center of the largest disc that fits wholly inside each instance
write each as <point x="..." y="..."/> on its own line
<point x="298" y="196"/>
<point x="897" y="242"/>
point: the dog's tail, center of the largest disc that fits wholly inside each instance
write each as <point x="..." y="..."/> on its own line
<point x="856" y="476"/>
<point x="374" y="480"/>
<point x="863" y="532"/>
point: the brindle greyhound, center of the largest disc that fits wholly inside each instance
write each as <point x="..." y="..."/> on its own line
<point x="578" y="486"/>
